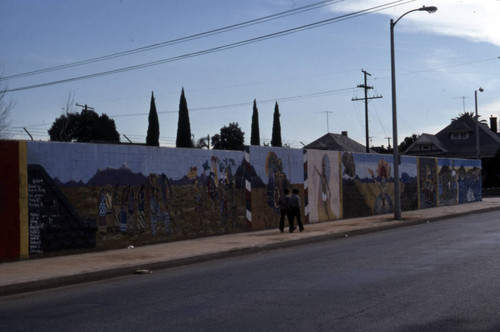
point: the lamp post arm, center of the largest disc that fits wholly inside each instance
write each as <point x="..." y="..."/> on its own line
<point x="411" y="11"/>
<point x="430" y="9"/>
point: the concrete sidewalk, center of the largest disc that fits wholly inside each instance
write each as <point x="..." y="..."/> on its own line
<point x="37" y="274"/>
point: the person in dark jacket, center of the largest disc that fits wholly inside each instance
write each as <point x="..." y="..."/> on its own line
<point x="294" y="203"/>
<point x="285" y="210"/>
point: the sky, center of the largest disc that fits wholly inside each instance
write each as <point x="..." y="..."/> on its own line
<point x="313" y="74"/>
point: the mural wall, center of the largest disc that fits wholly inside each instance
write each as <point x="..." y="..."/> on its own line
<point x="139" y="195"/>
<point x="71" y="196"/>
<point x="273" y="171"/>
<point x="368" y="184"/>
<point x="323" y="185"/>
<point x="459" y="181"/>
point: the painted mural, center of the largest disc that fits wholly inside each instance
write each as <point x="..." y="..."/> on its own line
<point x="111" y="196"/>
<point x="174" y="195"/>
<point x="276" y="169"/>
<point x="428" y="182"/>
<point x="368" y="184"/>
<point x="459" y="181"/>
<point x="408" y="183"/>
<point x="54" y="225"/>
<point x="323" y="185"/>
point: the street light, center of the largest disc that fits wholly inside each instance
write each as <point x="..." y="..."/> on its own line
<point x="477" y="123"/>
<point x="397" y="198"/>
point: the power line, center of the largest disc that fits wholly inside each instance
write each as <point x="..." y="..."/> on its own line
<point x="43" y="131"/>
<point x="221" y="48"/>
<point x="441" y="68"/>
<point x="181" y="39"/>
<point x="216" y="107"/>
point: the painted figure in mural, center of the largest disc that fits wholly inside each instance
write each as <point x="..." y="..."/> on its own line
<point x="166" y="195"/>
<point x="114" y="204"/>
<point x="349" y="165"/>
<point x="102" y="212"/>
<point x="227" y="188"/>
<point x="277" y="182"/>
<point x="295" y="211"/>
<point x="131" y="211"/>
<point x="108" y="222"/>
<point x="140" y="210"/>
<point x="428" y="185"/>
<point x="123" y="209"/>
<point x="154" y="210"/>
<point x="219" y="187"/>
<point x="448" y="185"/>
<point x="159" y="192"/>
<point x="211" y="187"/>
<point x="205" y="190"/>
<point x="213" y="178"/>
<point x="474" y="176"/>
<point x="285" y="210"/>
<point x="469" y="184"/>
<point x="324" y="204"/>
<point x="383" y="201"/>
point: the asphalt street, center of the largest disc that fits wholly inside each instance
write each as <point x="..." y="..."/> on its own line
<point x="439" y="276"/>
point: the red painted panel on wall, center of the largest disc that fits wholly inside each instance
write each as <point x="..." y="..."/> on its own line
<point x="9" y="200"/>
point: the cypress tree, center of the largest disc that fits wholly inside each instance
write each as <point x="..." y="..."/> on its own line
<point x="255" y="136"/>
<point x="276" y="138"/>
<point x="183" y="127"/>
<point x="153" y="125"/>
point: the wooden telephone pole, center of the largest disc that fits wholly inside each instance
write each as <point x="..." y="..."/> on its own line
<point x="85" y="107"/>
<point x="366" y="99"/>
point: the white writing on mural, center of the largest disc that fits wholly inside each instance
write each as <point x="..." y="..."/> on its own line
<point x="36" y="192"/>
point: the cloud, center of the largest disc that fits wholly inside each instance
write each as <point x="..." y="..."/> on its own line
<point x="488" y="110"/>
<point x="473" y="20"/>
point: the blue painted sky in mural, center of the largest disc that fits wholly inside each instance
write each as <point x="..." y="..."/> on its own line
<point x="80" y="162"/>
<point x="369" y="162"/>
<point x="459" y="162"/>
<point x="292" y="161"/>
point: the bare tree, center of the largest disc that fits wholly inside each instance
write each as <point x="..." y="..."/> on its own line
<point x="5" y="108"/>
<point x="68" y="105"/>
<point x="67" y="108"/>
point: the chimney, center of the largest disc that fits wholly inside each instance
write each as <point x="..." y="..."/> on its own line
<point x="344" y="133"/>
<point x="493" y="124"/>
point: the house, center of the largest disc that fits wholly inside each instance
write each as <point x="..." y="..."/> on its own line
<point x="337" y="142"/>
<point x="458" y="140"/>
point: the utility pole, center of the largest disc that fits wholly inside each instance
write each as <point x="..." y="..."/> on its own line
<point x="85" y="107"/>
<point x="366" y="99"/>
<point x="388" y="142"/>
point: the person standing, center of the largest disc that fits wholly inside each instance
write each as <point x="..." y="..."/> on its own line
<point x="285" y="210"/>
<point x="294" y="203"/>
